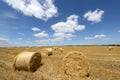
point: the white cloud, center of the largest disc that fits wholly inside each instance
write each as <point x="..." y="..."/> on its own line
<point x="35" y="29"/>
<point x="64" y="35"/>
<point x="42" y="9"/>
<point x="80" y="27"/>
<point x="57" y="39"/>
<point x="50" y="41"/>
<point x="99" y="36"/>
<point x="45" y="41"/>
<point x="95" y="16"/>
<point x="19" y="39"/>
<point x="4" y="40"/>
<point x="69" y="26"/>
<point x="20" y="33"/>
<point x="9" y="15"/>
<point x="41" y="34"/>
<point x="63" y="30"/>
<point x="118" y="30"/>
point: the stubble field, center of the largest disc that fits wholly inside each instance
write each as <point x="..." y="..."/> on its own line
<point x="104" y="64"/>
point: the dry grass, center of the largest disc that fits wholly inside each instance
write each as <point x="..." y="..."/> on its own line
<point x="104" y="64"/>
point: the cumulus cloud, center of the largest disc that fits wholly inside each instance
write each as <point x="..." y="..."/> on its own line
<point x="42" y="9"/>
<point x="35" y="29"/>
<point x="64" y="35"/>
<point x="99" y="36"/>
<point x="95" y="16"/>
<point x="20" y="33"/>
<point x="66" y="30"/>
<point x="4" y="40"/>
<point x="69" y="26"/>
<point x="42" y="34"/>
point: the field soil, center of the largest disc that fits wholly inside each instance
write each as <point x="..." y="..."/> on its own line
<point x="104" y="64"/>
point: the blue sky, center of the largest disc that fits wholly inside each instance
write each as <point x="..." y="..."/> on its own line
<point x="59" y="22"/>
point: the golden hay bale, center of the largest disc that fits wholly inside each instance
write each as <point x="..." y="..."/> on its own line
<point x="61" y="50"/>
<point x="55" y="48"/>
<point x="75" y="64"/>
<point x="28" y="61"/>
<point x="110" y="48"/>
<point x="49" y="51"/>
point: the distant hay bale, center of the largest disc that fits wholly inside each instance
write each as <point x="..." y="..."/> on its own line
<point x="75" y="64"/>
<point x="46" y="52"/>
<point x="110" y="48"/>
<point x="55" y="48"/>
<point x="28" y="61"/>
<point x="61" y="50"/>
<point x="49" y="51"/>
<point x="58" y="50"/>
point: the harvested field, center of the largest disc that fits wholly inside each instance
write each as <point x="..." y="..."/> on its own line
<point x="104" y="64"/>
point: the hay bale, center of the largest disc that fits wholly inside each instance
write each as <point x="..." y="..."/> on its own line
<point x="46" y="52"/>
<point x="61" y="50"/>
<point x="28" y="61"/>
<point x="58" y="50"/>
<point x="49" y="51"/>
<point x="55" y="48"/>
<point x="75" y="64"/>
<point x="110" y="48"/>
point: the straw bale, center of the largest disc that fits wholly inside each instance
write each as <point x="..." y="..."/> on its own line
<point x="61" y="50"/>
<point x="49" y="51"/>
<point x="55" y="48"/>
<point x="28" y="61"/>
<point x="110" y="48"/>
<point x="75" y="64"/>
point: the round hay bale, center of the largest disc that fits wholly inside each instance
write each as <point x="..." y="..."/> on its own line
<point x="75" y="64"/>
<point x="110" y="48"/>
<point x="28" y="61"/>
<point x="61" y="50"/>
<point x="49" y="51"/>
<point x="55" y="48"/>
